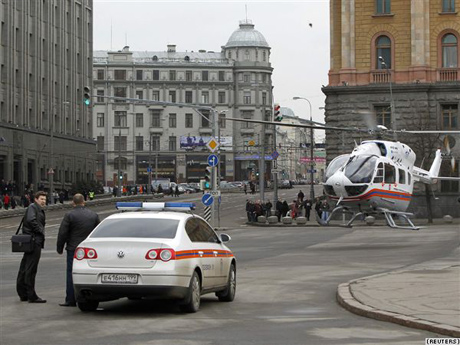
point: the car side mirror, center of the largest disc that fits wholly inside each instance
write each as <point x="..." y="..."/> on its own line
<point x="225" y="238"/>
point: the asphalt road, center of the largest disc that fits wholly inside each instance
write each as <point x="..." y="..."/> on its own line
<point x="286" y="285"/>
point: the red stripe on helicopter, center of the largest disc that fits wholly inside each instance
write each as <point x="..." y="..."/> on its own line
<point x="380" y="193"/>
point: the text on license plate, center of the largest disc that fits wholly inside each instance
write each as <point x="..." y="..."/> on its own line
<point x="119" y="278"/>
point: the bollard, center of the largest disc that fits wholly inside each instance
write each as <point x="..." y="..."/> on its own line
<point x="287" y="220"/>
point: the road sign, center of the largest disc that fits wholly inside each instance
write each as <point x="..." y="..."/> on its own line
<point x="212" y="144"/>
<point x="275" y="171"/>
<point x="51" y="171"/>
<point x="310" y="171"/>
<point x="275" y="154"/>
<point x="214" y="192"/>
<point x="149" y="169"/>
<point x="207" y="213"/>
<point x="207" y="199"/>
<point x="213" y="160"/>
<point x="251" y="143"/>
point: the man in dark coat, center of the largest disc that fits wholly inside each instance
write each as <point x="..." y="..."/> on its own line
<point x="308" y="209"/>
<point x="75" y="227"/>
<point x="34" y="225"/>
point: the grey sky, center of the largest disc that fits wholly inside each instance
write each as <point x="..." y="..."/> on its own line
<point x="299" y="54"/>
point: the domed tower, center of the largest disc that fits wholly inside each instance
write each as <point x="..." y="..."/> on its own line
<point x="248" y="51"/>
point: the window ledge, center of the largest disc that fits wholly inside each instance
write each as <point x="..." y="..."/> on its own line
<point x="447" y="13"/>
<point x="377" y="15"/>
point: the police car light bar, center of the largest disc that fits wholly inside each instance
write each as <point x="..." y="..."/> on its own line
<point x="155" y="206"/>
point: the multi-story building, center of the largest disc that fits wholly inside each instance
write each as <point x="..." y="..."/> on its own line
<point x="133" y="135"/>
<point x="395" y="63"/>
<point x="45" y="63"/>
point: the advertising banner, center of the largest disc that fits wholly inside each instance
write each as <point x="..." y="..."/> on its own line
<point x="192" y="142"/>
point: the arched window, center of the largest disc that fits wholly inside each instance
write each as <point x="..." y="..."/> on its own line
<point x="383" y="49"/>
<point x="449" y="51"/>
<point x="264" y="55"/>
<point x="155" y="58"/>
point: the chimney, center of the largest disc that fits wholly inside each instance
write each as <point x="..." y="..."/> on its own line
<point x="171" y="48"/>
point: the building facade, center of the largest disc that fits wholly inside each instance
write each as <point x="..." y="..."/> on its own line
<point x="45" y="60"/>
<point x="171" y="138"/>
<point x="395" y="63"/>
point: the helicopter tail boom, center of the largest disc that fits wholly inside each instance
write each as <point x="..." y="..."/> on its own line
<point x="429" y="177"/>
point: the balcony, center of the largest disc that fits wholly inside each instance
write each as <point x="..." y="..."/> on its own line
<point x="380" y="77"/>
<point x="448" y="74"/>
<point x="157" y="130"/>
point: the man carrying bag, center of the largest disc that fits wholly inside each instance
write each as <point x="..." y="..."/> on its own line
<point x="34" y="225"/>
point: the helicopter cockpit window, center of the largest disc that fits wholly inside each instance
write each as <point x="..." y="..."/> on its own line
<point x="360" y="169"/>
<point x="390" y="173"/>
<point x="402" y="176"/>
<point x="379" y="175"/>
<point x="335" y="165"/>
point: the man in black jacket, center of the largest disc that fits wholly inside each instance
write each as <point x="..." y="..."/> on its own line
<point x="75" y="227"/>
<point x="34" y="225"/>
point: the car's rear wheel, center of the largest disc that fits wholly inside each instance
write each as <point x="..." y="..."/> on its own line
<point x="88" y="305"/>
<point x="229" y="293"/>
<point x="192" y="301"/>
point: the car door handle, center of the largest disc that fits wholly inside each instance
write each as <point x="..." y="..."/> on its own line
<point x="215" y="253"/>
<point x="200" y="253"/>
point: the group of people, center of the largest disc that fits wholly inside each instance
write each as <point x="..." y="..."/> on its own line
<point x="75" y="227"/>
<point x="257" y="208"/>
<point x="252" y="187"/>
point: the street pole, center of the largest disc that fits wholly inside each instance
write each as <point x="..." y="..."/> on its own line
<point x="150" y="165"/>
<point x="51" y="170"/>
<point x="262" y="164"/>
<point x="215" y="126"/>
<point x="393" y="120"/>
<point x="119" y="163"/>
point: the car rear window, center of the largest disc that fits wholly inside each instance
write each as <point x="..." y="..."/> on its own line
<point x="144" y="228"/>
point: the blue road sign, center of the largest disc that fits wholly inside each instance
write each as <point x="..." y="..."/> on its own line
<point x="213" y="160"/>
<point x="207" y="199"/>
<point x="149" y="169"/>
<point x="309" y="171"/>
<point x="275" y="154"/>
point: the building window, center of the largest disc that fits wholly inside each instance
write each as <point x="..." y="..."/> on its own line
<point x="188" y="120"/>
<point x="205" y="97"/>
<point x="100" y="74"/>
<point x="383" y="49"/>
<point x="264" y="55"/>
<point x="204" y="75"/>
<point x="449" y="51"/>
<point x="139" y="143"/>
<point x="140" y="94"/>
<point x="172" y="75"/>
<point x="155" y="119"/>
<point x="264" y="78"/>
<point x="448" y="5"/>
<point x="222" y="122"/>
<point x="221" y="97"/>
<point x="100" y="143"/>
<point x="155" y="95"/>
<point x="188" y="76"/>
<point x="246" y="78"/>
<point x="139" y="74"/>
<point x="205" y="119"/>
<point x="383" y="115"/>
<point x="155" y="143"/>
<point x="221" y="75"/>
<point x="123" y="163"/>
<point x="172" y="121"/>
<point x="139" y="120"/>
<point x="246" y="53"/>
<point x="450" y="117"/>
<point x="99" y="94"/>
<point x="100" y="119"/>
<point x="155" y="74"/>
<point x="121" y="119"/>
<point x="172" y="96"/>
<point x="188" y="97"/>
<point x="264" y="98"/>
<point x="248" y="116"/>
<point x="172" y="143"/>
<point x="120" y="143"/>
<point x="120" y="74"/>
<point x="383" y="6"/>
<point x="247" y="98"/>
<point x="120" y="92"/>
<point x="229" y="54"/>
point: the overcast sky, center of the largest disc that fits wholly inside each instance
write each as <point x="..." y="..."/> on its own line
<point x="299" y="53"/>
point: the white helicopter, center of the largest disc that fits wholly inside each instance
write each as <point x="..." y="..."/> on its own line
<point x="376" y="178"/>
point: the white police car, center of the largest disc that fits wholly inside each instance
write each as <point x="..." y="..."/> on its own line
<point x="153" y="254"/>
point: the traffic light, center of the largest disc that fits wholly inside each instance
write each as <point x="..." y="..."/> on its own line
<point x="277" y="116"/>
<point x="87" y="95"/>
<point x="207" y="177"/>
<point x="120" y="177"/>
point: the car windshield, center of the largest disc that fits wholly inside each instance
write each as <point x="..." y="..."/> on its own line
<point x="359" y="169"/>
<point x="138" y="228"/>
<point x="335" y="165"/>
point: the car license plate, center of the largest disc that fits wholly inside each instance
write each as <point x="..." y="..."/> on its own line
<point x="119" y="278"/>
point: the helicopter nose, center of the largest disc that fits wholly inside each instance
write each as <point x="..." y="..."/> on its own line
<point x="334" y="185"/>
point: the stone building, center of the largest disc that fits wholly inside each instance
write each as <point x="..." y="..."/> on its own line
<point x="395" y="63"/>
<point x="133" y="135"/>
<point x="45" y="63"/>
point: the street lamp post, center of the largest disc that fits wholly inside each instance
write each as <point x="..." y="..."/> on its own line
<point x="312" y="183"/>
<point x="393" y="120"/>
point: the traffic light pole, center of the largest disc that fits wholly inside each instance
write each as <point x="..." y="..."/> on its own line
<point x="215" y="128"/>
<point x="119" y="163"/>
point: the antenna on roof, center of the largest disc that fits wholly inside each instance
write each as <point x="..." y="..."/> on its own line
<point x="246" y="6"/>
<point x="111" y="33"/>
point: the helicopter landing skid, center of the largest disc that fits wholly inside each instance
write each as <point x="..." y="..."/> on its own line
<point x="323" y="222"/>
<point x="404" y="215"/>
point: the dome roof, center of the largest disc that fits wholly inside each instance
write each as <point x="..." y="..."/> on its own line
<point x="246" y="36"/>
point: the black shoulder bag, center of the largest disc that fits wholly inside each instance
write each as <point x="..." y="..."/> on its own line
<point x="22" y="243"/>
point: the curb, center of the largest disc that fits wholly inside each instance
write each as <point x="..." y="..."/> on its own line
<point x="346" y="299"/>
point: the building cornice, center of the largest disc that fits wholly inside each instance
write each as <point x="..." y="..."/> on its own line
<point x="382" y="88"/>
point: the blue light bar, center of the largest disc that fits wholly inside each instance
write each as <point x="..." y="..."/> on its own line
<point x="155" y="206"/>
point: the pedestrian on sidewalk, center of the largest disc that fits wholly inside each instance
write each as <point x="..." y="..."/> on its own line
<point x="6" y="201"/>
<point x="307" y="209"/>
<point x="75" y="227"/>
<point x="245" y="188"/>
<point x="34" y="225"/>
<point x="300" y="196"/>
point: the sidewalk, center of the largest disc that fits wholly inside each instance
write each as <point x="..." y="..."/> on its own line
<point x="424" y="296"/>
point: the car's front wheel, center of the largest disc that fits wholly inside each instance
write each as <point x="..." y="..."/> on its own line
<point x="229" y="293"/>
<point x="192" y="301"/>
<point x="88" y="305"/>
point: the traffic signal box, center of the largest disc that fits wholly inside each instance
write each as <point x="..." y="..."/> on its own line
<point x="277" y="116"/>
<point x="207" y="178"/>
<point x="87" y="96"/>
